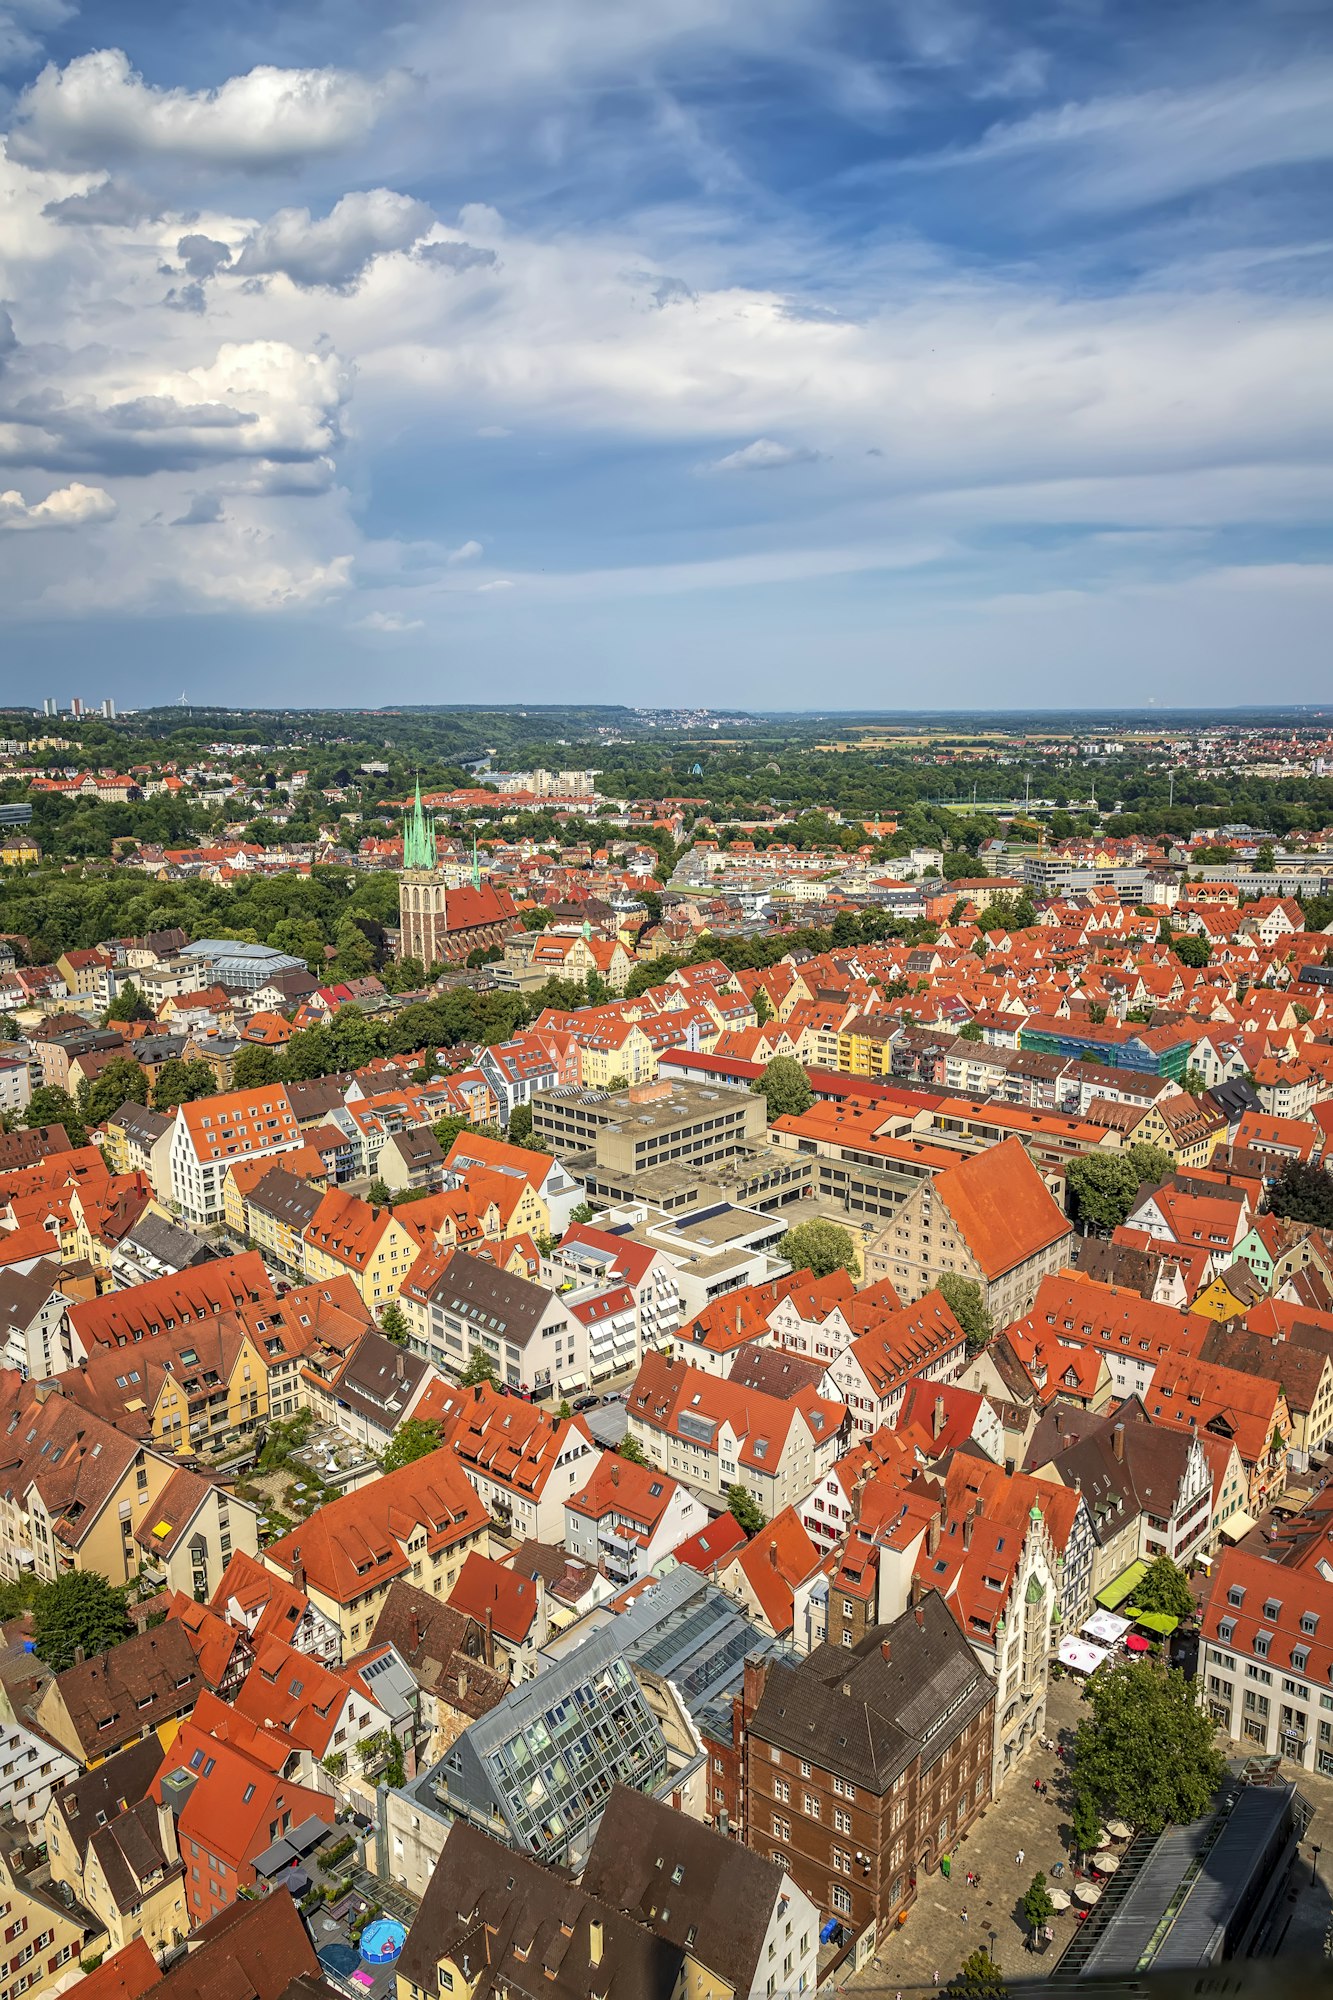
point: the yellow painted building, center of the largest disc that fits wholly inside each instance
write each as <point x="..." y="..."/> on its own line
<point x="349" y="1238"/>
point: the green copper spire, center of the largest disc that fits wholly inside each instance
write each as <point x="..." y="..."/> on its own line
<point x="418" y="836"/>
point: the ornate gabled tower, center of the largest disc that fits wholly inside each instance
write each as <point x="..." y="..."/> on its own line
<point x="422" y="894"/>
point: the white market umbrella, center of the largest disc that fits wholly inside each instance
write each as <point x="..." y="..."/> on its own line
<point x="1104" y="1837"/>
<point x="1059" y="1899"/>
<point x="1087" y="1892"/>
<point x="1106" y="1864"/>
<point x="1118" y="1830"/>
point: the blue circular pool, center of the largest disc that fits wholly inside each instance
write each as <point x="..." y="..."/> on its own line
<point x="382" y="1941"/>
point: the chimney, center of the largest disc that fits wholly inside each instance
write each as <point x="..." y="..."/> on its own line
<point x="937" y="1421"/>
<point x="933" y="1534"/>
<point x="1118" y="1441"/>
<point x="490" y="1637"/>
<point x="920" y="1617"/>
<point x="615" y="1471"/>
<point x="595" y="1940"/>
<point x="967" y="1527"/>
<point x="886" y="1647"/>
<point x="772" y="1555"/>
<point x="79" y="1656"/>
<point x="414" y="1629"/>
<point x="752" y="1688"/>
<point x="462" y="1686"/>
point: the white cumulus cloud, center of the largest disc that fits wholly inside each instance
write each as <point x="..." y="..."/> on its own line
<point x="333" y="250"/>
<point x="389" y="621"/>
<point x="465" y="553"/>
<point x="72" y="506"/>
<point x="98" y="108"/>
<point x="764" y="455"/>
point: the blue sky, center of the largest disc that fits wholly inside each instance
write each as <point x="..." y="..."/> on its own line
<point x="768" y="352"/>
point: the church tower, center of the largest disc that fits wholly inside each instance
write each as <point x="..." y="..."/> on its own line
<point x="422" y="891"/>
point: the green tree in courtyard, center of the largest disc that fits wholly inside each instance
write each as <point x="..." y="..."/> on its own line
<point x="81" y="1613"/>
<point x="1165" y="1589"/>
<point x="480" y="1368"/>
<point x="1145" y="1753"/>
<point x="745" y="1509"/>
<point x="414" y="1439"/>
<point x="785" y="1088"/>
<point x="393" y="1324"/>
<point x="123" y="1081"/>
<point x="49" y="1105"/>
<point x="820" y="1246"/>
<point x="963" y="1298"/>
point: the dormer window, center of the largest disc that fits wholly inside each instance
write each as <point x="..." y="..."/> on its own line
<point x="1273" y="1609"/>
<point x="1310" y="1622"/>
<point x="1236" y="1594"/>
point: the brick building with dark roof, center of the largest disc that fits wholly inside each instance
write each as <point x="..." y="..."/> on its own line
<point x="863" y="1765"/>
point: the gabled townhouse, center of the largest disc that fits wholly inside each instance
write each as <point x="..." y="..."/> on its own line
<point x="348" y="1237"/>
<point x="142" y="1687"/>
<point x="921" y="1342"/>
<point x="35" y="1335"/>
<point x="511" y="1609"/>
<point x="446" y="1654"/>
<point x="115" y="1850"/>
<point x="275" y="1213"/>
<point x="460" y="1302"/>
<point x="990" y="1218"/>
<point x="229" y="1806"/>
<point x="324" y="1719"/>
<point x="207" y="1135"/>
<point x="1134" y="1336"/>
<point x="47" y="1936"/>
<point x="118" y="1319"/>
<point x="194" y="1530"/>
<point x="557" y="1190"/>
<point x="1303" y="1370"/>
<point x="523" y="1463"/>
<point x="782" y="1579"/>
<point x="626" y="1518"/>
<point x="1147" y="1491"/>
<point x="418" y="1522"/>
<point x="74" y="1491"/>
<point x="199" y="1388"/>
<point x="707" y="1431"/>
<point x="378" y="1387"/>
<point x="261" y="1604"/>
<point x="1245" y="1410"/>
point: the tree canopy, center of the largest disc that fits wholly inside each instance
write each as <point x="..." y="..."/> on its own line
<point x="50" y="1105"/>
<point x="415" y="1438"/>
<point x="745" y="1509"/>
<point x="785" y="1088"/>
<point x="1103" y="1185"/>
<point x="80" y="1613"/>
<point x="1303" y="1193"/>
<point x="1164" y="1588"/>
<point x="963" y="1298"/>
<point x="1145" y="1753"/>
<point x="1038" y="1908"/>
<point x="123" y="1081"/>
<point x="820" y="1246"/>
<point x="479" y="1368"/>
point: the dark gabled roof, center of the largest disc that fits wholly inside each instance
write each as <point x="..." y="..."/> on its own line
<point x="528" y="1929"/>
<point x="131" y="1851"/>
<point x="102" y="1696"/>
<point x="686" y="1883"/>
<point x="140" y="1123"/>
<point x="863" y="1716"/>
<point x="475" y="1286"/>
<point x="24" y="1293"/>
<point x="318" y="1095"/>
<point x="379" y="1380"/>
<point x="1120" y="1264"/>
<point x="774" y="1372"/>
<point x="417" y="1146"/>
<point x="98" y="1795"/>
<point x="286" y="1197"/>
<point x="443" y="1647"/>
<point x="167" y="1243"/>
<point x="252" y="1951"/>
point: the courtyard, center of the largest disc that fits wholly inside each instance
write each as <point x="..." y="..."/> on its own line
<point x="921" y="1957"/>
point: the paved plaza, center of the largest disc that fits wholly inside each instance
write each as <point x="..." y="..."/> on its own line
<point x="924" y="1955"/>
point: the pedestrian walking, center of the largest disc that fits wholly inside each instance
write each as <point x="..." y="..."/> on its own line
<point x="964" y="1913"/>
<point x="1018" y="1860"/>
